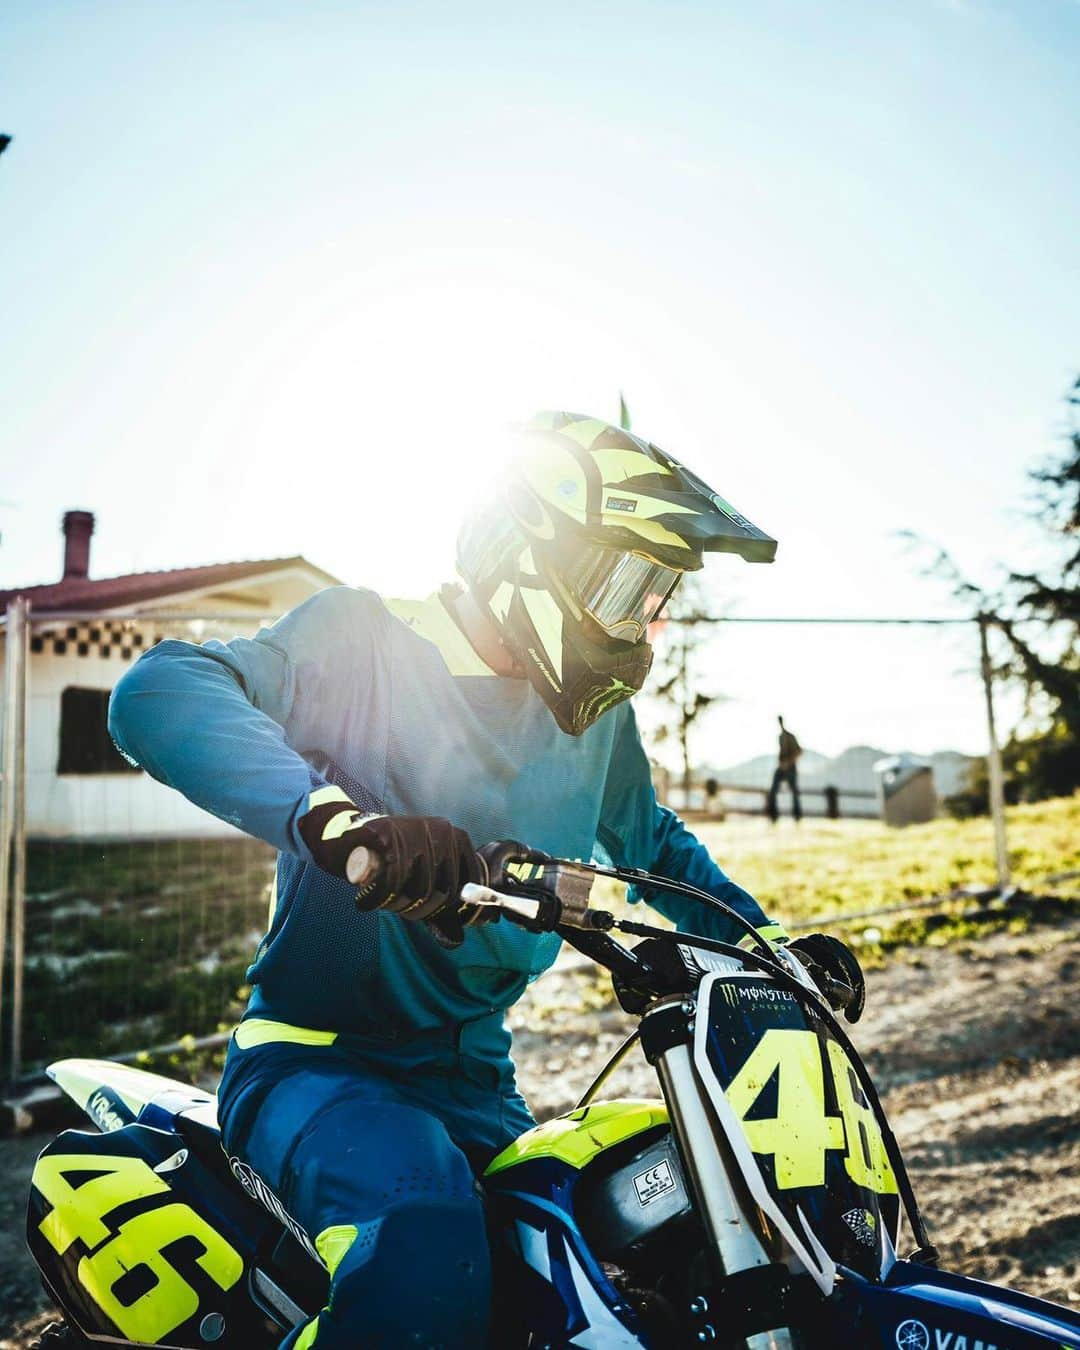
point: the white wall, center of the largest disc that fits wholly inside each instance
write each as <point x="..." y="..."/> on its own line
<point x="127" y="805"/>
<point x="121" y="805"/>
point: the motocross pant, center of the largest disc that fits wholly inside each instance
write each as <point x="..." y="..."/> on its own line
<point x="376" y="1158"/>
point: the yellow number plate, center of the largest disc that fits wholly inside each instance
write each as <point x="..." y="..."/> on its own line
<point x="800" y="1134"/>
<point x="79" y="1213"/>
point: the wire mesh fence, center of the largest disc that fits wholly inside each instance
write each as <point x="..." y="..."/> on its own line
<point x="142" y="912"/>
<point x="134" y="944"/>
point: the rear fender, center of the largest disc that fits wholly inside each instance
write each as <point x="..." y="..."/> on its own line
<point x="115" y="1095"/>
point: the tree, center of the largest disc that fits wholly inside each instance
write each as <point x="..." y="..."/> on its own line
<point x="1052" y="600"/>
<point x="675" y="689"/>
<point x="1037" y="614"/>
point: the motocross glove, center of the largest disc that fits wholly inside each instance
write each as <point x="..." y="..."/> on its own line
<point x="423" y="862"/>
<point x="775" y="934"/>
<point x="835" y="969"/>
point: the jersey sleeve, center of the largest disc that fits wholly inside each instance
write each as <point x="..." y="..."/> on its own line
<point x="224" y="722"/>
<point x="636" y="831"/>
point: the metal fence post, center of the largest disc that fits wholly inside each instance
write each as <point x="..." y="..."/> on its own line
<point x="13" y="815"/>
<point x="7" y="775"/>
<point x="21" y="643"/>
<point x="997" y="776"/>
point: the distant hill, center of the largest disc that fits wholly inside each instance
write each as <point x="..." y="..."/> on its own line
<point x="853" y="769"/>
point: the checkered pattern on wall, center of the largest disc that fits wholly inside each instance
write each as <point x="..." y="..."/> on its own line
<point x="94" y="637"/>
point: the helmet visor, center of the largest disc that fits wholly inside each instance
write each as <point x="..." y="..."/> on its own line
<point x="623" y="592"/>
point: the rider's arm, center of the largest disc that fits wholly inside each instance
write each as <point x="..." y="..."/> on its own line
<point x="225" y="722"/>
<point x="635" y="831"/>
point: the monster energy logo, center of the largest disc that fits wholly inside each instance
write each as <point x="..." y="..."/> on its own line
<point x="606" y="698"/>
<point x="758" y="993"/>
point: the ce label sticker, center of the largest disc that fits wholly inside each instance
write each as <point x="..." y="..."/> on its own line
<point x="650" y="1185"/>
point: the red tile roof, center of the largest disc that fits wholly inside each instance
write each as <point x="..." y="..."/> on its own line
<point x="84" y="593"/>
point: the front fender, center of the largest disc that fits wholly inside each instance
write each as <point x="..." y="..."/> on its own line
<point x="919" y="1308"/>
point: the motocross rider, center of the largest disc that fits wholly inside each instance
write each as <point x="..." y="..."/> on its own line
<point x="371" y="1076"/>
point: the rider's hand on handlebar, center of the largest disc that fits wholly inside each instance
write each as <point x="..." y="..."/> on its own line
<point x="834" y="968"/>
<point x="499" y="856"/>
<point x="419" y="866"/>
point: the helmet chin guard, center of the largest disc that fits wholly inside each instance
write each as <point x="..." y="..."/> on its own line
<point x="586" y="539"/>
<point x="595" y="690"/>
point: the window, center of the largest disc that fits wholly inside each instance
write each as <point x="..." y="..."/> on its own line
<point x="85" y="744"/>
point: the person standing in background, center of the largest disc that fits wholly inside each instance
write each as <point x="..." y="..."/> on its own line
<point x="786" y="772"/>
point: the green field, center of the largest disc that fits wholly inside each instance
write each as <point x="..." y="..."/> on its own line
<point x="824" y="867"/>
<point x="817" y="871"/>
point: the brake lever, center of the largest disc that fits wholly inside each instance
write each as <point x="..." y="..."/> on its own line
<point x="839" y="993"/>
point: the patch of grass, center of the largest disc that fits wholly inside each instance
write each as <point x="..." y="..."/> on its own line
<point x="823" y="867"/>
<point x="136" y="944"/>
<point x="959" y="924"/>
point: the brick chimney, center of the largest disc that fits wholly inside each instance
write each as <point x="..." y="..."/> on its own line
<point x="78" y="527"/>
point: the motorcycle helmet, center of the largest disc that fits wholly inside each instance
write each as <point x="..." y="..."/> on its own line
<point x="586" y="537"/>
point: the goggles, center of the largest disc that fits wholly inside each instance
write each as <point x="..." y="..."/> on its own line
<point x="622" y="592"/>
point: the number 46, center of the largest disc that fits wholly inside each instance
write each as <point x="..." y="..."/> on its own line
<point x="79" y="1212"/>
<point x="800" y="1134"/>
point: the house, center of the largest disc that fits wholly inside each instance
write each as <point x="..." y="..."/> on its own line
<point x="85" y="632"/>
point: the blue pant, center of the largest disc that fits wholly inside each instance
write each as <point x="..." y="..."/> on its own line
<point x="375" y="1157"/>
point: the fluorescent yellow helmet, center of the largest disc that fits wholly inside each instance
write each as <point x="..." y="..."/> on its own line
<point x="589" y="533"/>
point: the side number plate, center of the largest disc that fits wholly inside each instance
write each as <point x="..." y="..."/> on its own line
<point x="124" y="1269"/>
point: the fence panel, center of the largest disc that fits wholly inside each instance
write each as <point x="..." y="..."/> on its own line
<point x="142" y="912"/>
<point x="136" y="944"/>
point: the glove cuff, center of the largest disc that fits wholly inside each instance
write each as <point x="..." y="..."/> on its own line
<point x="328" y="829"/>
<point x="775" y="933"/>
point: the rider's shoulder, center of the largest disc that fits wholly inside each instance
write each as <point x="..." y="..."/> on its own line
<point x="344" y="602"/>
<point x="337" y="618"/>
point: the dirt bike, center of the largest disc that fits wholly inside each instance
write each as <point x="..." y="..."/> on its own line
<point x="758" y="1203"/>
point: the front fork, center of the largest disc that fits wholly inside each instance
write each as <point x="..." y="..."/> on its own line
<point x="729" y="1220"/>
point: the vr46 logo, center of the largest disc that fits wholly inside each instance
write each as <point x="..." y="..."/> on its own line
<point x="121" y="1259"/>
<point x="800" y="1134"/>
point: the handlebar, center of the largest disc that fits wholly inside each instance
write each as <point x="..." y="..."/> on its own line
<point x="539" y="912"/>
<point x="562" y="899"/>
<point x="544" y="894"/>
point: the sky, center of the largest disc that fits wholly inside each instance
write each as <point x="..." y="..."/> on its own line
<point x="278" y="276"/>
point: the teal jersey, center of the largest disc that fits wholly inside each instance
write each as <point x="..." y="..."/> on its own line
<point x="388" y="701"/>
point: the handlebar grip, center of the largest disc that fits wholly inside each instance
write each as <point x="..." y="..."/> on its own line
<point x="362" y="866"/>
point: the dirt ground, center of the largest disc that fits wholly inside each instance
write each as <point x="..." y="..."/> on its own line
<point x="976" y="1050"/>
